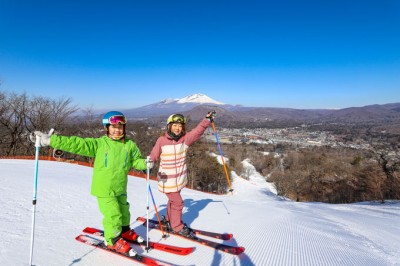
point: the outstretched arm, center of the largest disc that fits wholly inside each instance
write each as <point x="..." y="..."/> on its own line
<point x="197" y="132"/>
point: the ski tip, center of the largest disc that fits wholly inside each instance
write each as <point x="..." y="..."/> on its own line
<point x="226" y="236"/>
<point x="93" y="231"/>
<point x="239" y="250"/>
<point x="189" y="250"/>
<point x="90" y="230"/>
<point x="233" y="250"/>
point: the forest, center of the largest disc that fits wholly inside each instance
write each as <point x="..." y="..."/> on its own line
<point x="310" y="173"/>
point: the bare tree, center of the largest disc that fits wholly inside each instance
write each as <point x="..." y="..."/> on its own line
<point x="61" y="111"/>
<point x="20" y="115"/>
<point x="44" y="113"/>
<point x="91" y="124"/>
<point x="3" y="130"/>
<point x="204" y="171"/>
<point x="38" y="114"/>
<point x="12" y="119"/>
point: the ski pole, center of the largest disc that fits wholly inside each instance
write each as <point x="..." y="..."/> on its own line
<point x="35" y="179"/>
<point x="158" y="216"/>
<point x="155" y="207"/>
<point x="222" y="155"/>
<point x="147" y="208"/>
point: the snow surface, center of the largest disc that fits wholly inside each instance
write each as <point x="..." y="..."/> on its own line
<point x="274" y="231"/>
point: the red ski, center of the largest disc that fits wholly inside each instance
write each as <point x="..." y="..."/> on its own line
<point x="167" y="248"/>
<point x="223" y="236"/>
<point x="218" y="246"/>
<point x="97" y="243"/>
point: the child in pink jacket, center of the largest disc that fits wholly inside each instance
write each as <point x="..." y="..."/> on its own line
<point x="171" y="148"/>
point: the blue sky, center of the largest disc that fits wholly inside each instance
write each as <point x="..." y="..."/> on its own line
<point x="126" y="54"/>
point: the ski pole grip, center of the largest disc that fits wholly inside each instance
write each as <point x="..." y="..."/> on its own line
<point x="37" y="143"/>
<point x="38" y="138"/>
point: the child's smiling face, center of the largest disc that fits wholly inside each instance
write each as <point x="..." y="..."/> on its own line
<point x="176" y="128"/>
<point x="116" y="131"/>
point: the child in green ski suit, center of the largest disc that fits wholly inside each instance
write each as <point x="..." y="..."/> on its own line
<point x="114" y="155"/>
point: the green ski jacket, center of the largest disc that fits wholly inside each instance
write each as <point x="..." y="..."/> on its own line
<point x="113" y="160"/>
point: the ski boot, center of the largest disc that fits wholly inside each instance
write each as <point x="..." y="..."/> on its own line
<point x="131" y="236"/>
<point x="121" y="246"/>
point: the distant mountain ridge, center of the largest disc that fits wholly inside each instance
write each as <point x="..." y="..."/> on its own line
<point x="169" y="106"/>
<point x="197" y="105"/>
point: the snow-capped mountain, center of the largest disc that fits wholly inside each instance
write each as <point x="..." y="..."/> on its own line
<point x="169" y="106"/>
<point x="199" y="99"/>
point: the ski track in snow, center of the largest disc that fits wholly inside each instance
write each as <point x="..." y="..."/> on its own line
<point x="273" y="230"/>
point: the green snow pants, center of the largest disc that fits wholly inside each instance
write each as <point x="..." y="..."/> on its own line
<point x="116" y="214"/>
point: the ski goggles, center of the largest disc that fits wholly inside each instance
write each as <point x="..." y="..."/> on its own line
<point x="177" y="118"/>
<point x="115" y="119"/>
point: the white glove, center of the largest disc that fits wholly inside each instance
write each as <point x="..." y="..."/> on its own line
<point x="149" y="162"/>
<point x="44" y="138"/>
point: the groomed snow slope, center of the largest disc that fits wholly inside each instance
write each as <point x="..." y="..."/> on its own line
<point x="273" y="230"/>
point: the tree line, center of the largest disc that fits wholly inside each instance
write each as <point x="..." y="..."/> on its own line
<point x="323" y="174"/>
<point x="21" y="114"/>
